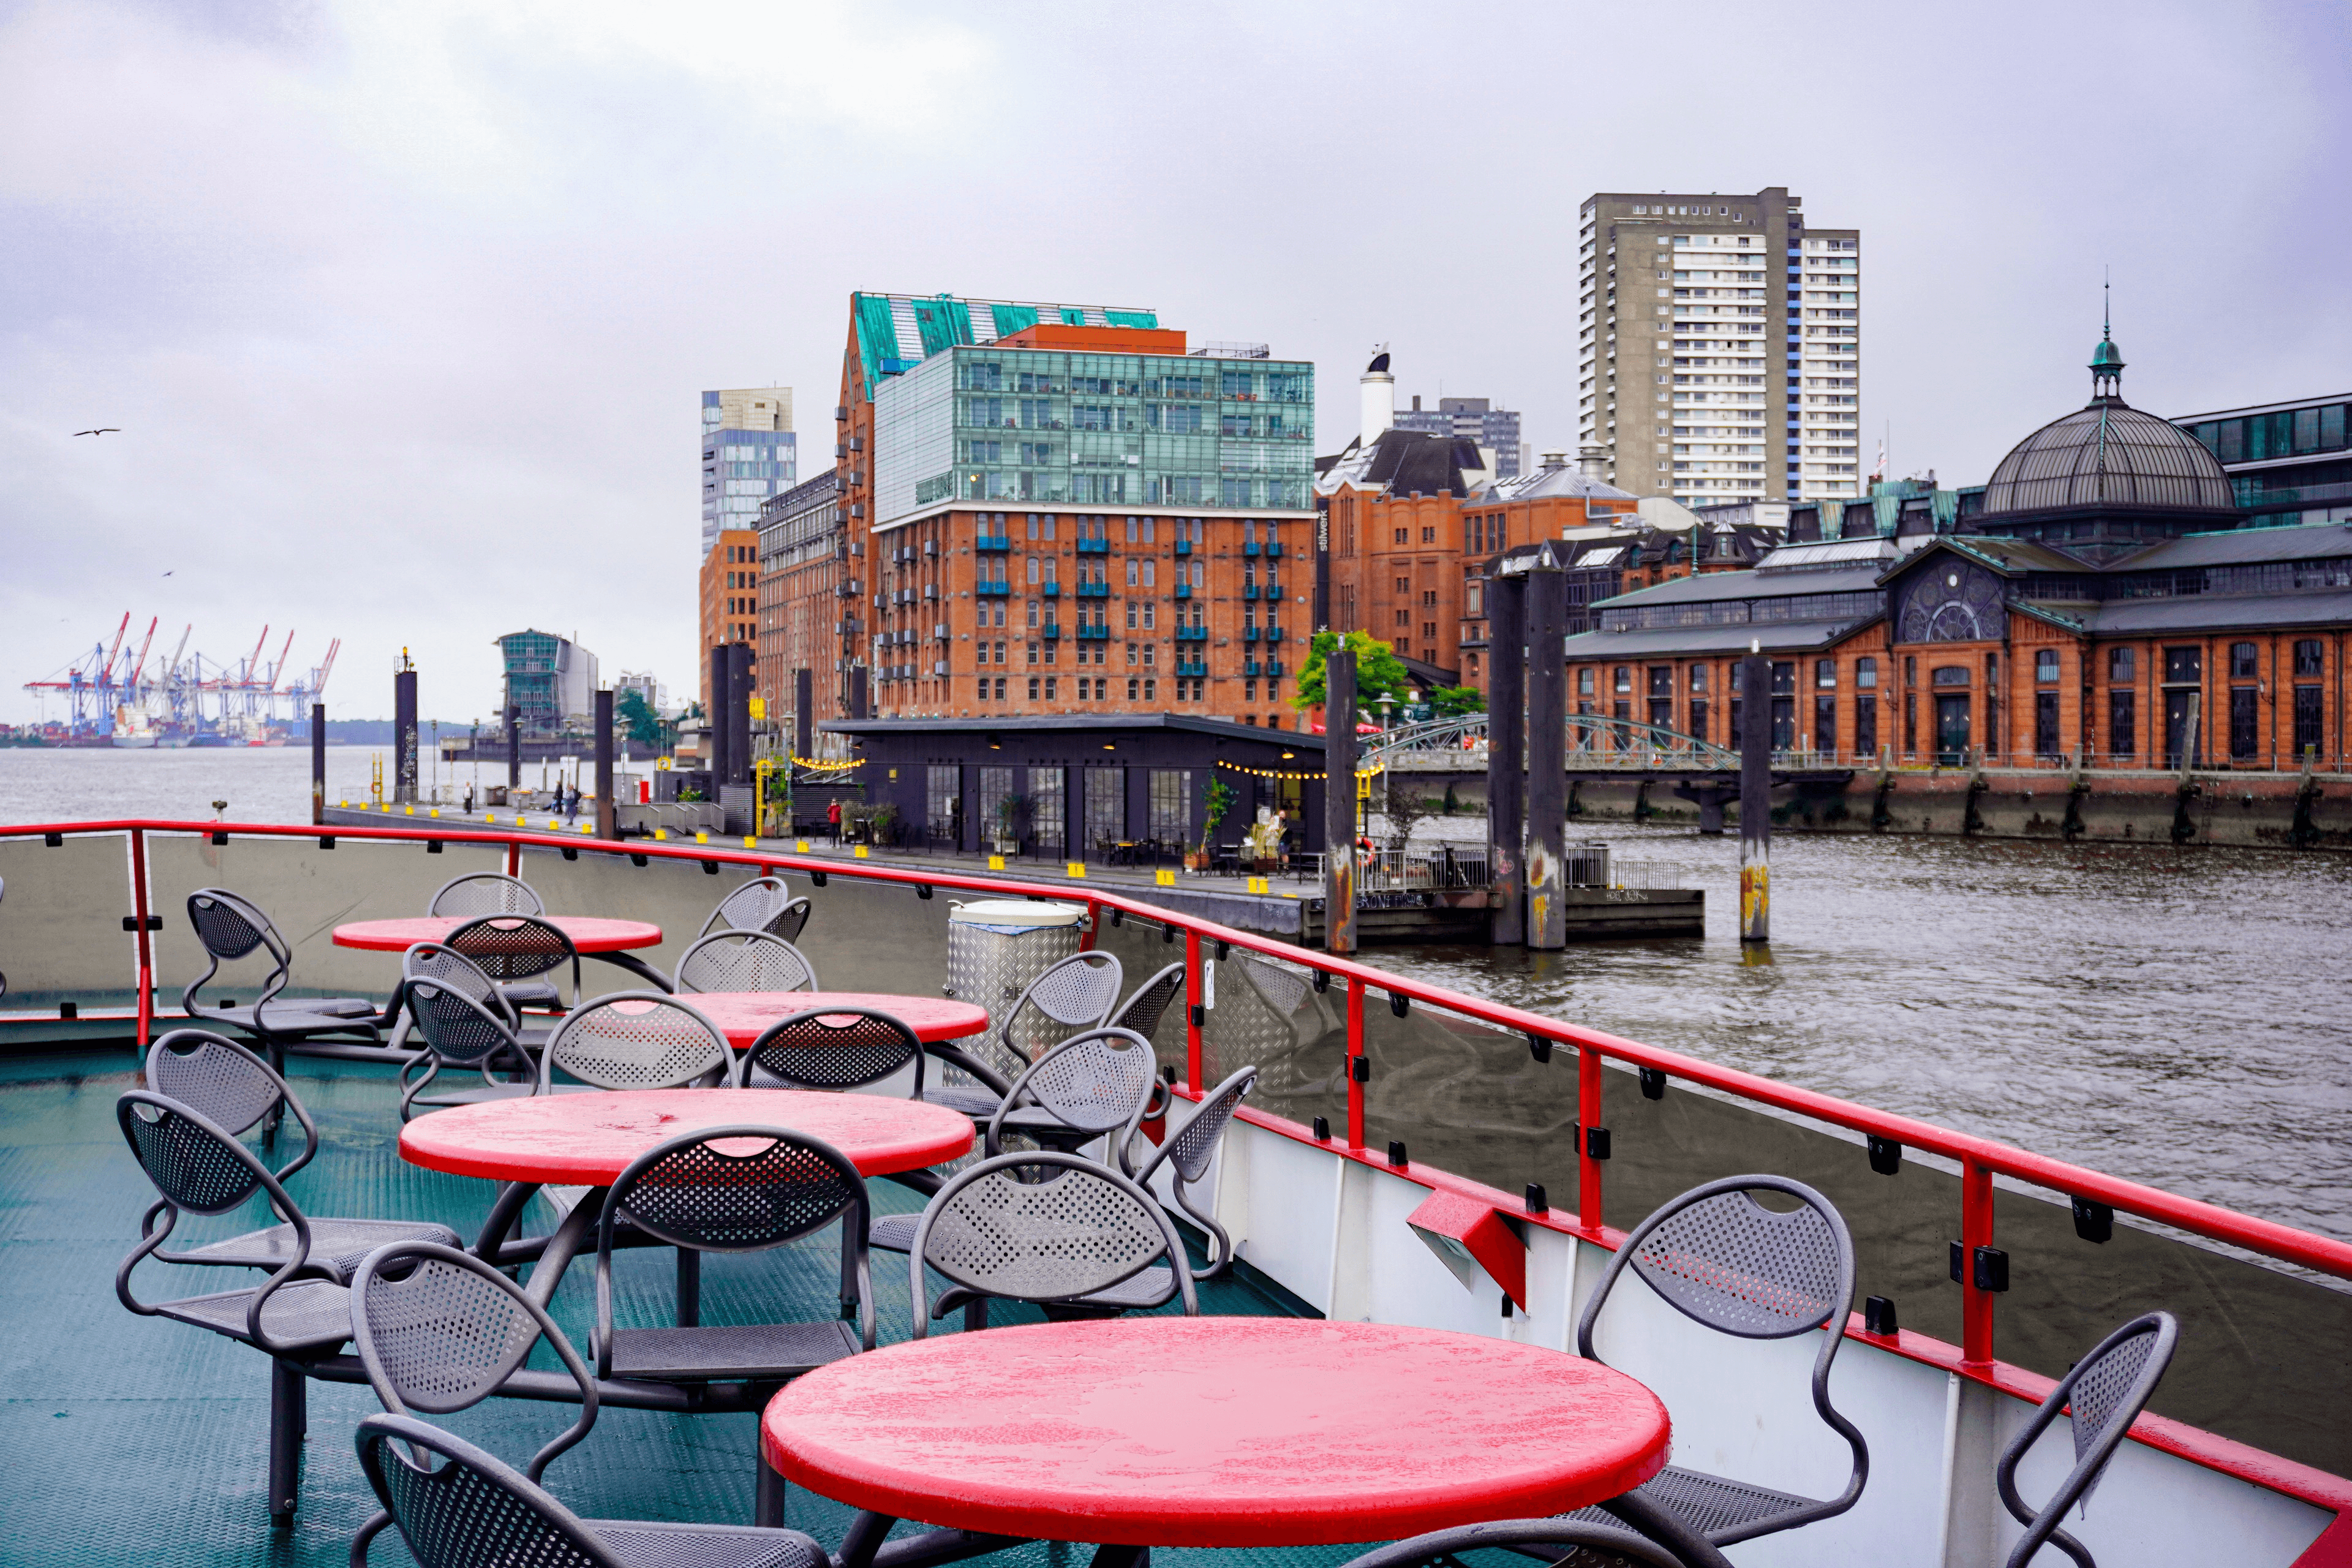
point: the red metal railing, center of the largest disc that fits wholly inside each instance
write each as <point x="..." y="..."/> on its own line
<point x="1979" y="1159"/>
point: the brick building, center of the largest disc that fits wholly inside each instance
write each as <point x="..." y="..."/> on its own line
<point x="1062" y="510"/>
<point x="803" y="546"/>
<point x="727" y="595"/>
<point x="2101" y="601"/>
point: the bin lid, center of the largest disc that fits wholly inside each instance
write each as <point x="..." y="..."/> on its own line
<point x="1020" y="912"/>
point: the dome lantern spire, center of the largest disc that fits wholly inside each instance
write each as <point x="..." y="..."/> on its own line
<point x="2106" y="359"/>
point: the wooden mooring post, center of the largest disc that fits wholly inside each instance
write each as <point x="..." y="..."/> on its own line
<point x="1755" y="798"/>
<point x="1339" y="802"/>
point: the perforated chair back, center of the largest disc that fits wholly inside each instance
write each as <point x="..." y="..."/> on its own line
<point x="230" y="928"/>
<point x="515" y="947"/>
<point x="228" y="1085"/>
<point x="637" y="1040"/>
<point x="471" y="1510"/>
<point x="460" y="1030"/>
<point x="196" y="1165"/>
<point x="1142" y="1011"/>
<point x="2107" y="1389"/>
<point x="485" y="893"/>
<point x="1724" y="1260"/>
<point x="437" y="962"/>
<point x="1043" y="1227"/>
<point x="1187" y="1152"/>
<point x="737" y="1189"/>
<point x="744" y="961"/>
<point x="763" y="904"/>
<point x="440" y="1331"/>
<point x="838" y="1048"/>
<point x="1096" y="1082"/>
<point x="1072" y="992"/>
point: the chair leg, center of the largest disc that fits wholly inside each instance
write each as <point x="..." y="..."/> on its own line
<point x="975" y="1315"/>
<point x="1644" y="1516"/>
<point x="689" y="1288"/>
<point x="862" y="1539"/>
<point x="767" y="1503"/>
<point x="288" y="1418"/>
<point x="1121" y="1557"/>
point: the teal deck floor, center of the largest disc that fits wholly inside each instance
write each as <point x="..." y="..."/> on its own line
<point x="130" y="1440"/>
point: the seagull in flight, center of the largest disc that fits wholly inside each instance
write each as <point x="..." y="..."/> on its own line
<point x="108" y="430"/>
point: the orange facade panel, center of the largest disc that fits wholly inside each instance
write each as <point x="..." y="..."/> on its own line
<point x="1097" y="339"/>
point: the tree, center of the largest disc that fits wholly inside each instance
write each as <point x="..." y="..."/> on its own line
<point x="639" y="721"/>
<point x="1455" y="701"/>
<point x="1379" y="671"/>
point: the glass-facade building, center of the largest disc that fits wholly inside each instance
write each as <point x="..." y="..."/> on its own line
<point x="749" y="453"/>
<point x="1025" y="426"/>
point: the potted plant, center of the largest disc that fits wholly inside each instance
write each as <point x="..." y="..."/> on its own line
<point x="1005" y="831"/>
<point x="1220" y="801"/>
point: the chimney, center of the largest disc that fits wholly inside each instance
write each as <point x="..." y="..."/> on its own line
<point x="1416" y="403"/>
<point x="1378" y="393"/>
<point x="1590" y="461"/>
<point x="1554" y="461"/>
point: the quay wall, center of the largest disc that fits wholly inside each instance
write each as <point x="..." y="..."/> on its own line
<point x="2256" y="810"/>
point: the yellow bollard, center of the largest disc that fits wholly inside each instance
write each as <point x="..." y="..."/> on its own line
<point x="1164" y="877"/>
<point x="751" y="844"/>
<point x="858" y="852"/>
<point x="801" y="845"/>
<point x="996" y="862"/>
<point x="1078" y="870"/>
<point x="702" y="838"/>
<point x="660" y="834"/>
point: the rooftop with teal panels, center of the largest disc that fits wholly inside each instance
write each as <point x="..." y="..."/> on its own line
<point x="896" y="332"/>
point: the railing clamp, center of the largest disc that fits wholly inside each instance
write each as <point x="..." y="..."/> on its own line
<point x="2094" y="1222"/>
<point x="1539" y="1048"/>
<point x="1595" y="1143"/>
<point x="1987" y="1268"/>
<point x="1654" y="1083"/>
<point x="130" y="922"/>
<point x="1885" y="1155"/>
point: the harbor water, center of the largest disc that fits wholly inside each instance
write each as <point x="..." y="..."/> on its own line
<point x="2173" y="1016"/>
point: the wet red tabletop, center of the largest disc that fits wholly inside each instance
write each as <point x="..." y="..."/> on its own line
<point x="589" y="933"/>
<point x="588" y="1139"/>
<point x="743" y="1014"/>
<point x="1222" y="1431"/>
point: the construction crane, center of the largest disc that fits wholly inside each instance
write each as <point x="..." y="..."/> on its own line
<point x="115" y="696"/>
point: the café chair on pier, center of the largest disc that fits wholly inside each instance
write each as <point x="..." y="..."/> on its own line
<point x="299" y="1315"/>
<point x="485" y="893"/>
<point x="1186" y="1154"/>
<point x="467" y="1033"/>
<point x="763" y="904"/>
<point x="231" y="928"/>
<point x="707" y="1192"/>
<point x="637" y="1040"/>
<point x="1077" y="1239"/>
<point x="1552" y="1540"/>
<point x="836" y="1049"/>
<point x="459" y="1507"/>
<point x="1729" y="1264"/>
<point x="2107" y="1390"/>
<point x="438" y="1331"/>
<point x="743" y="961"/>
<point x="514" y="950"/>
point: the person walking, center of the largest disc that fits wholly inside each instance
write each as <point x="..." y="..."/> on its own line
<point x="571" y="802"/>
<point x="832" y="817"/>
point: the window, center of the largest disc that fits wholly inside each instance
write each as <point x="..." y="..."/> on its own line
<point x="1825" y="674"/>
<point x="1825" y="724"/>
<point x="1401" y="534"/>
<point x="1033" y="653"/>
<point x="1948" y="674"/>
<point x="2120" y="663"/>
<point x="1429" y="536"/>
<point x="1106" y="807"/>
<point x="2244" y="727"/>
<point x="2123" y="722"/>
<point x="1622" y="679"/>
<point x="1149" y="572"/>
<point x="1033" y="689"/>
<point x="1047" y="814"/>
<point x="1865" y="723"/>
<point x="2309" y="660"/>
<point x="1697" y="677"/>
<point x="1662" y="680"/>
<point x="1584" y="682"/>
<point x="1151" y="614"/>
<point x="1698" y="717"/>
<point x="1149" y="652"/>
<point x="1049" y="688"/>
<point x="1151" y="691"/>
<point x="1404" y="618"/>
<point x="1133" y="610"/>
<point x="2183" y="666"/>
<point x="1032" y="569"/>
<point x="1865" y="675"/>
<point x="1134" y="571"/>
<point x="2045" y="666"/>
<point x="2307" y="711"/>
<point x="1428" y="596"/>
<point x="2045" y="723"/>
<point x="1910" y="672"/>
<point x="1132" y="685"/>
<point x="1249" y="690"/>
<point x="2243" y="662"/>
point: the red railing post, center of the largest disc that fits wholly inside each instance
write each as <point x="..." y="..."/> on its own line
<point x="1192" y="1014"/>
<point x="1355" y="1054"/>
<point x="1976" y="1230"/>
<point x="146" y="942"/>
<point x="1587" y="1114"/>
<point x="1087" y="932"/>
<point x="514" y="858"/>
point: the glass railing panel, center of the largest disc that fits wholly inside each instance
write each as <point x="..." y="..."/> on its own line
<point x="61" y="913"/>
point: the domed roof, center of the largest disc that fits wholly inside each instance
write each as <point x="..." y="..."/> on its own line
<point x="2108" y="454"/>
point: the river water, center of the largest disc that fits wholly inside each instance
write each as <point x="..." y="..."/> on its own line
<point x="2176" y="1016"/>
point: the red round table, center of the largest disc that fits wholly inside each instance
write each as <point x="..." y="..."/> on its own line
<point x="1222" y="1431"/>
<point x="743" y="1014"/>
<point x="588" y="1139"/>
<point x="589" y="933"/>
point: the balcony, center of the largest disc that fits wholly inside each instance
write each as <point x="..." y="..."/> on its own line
<point x="1099" y="631"/>
<point x="993" y="541"/>
<point x="1274" y="669"/>
<point x="1183" y="547"/>
<point x="1050" y="590"/>
<point x="1274" y="593"/>
<point x="1273" y="550"/>
<point x="1094" y="546"/>
<point x="1052" y="631"/>
<point x="1192" y="633"/>
<point x="1093" y="590"/>
<point x="995" y="588"/>
<point x="1272" y="634"/>
<point x="1249" y="590"/>
<point x="1249" y="547"/>
<point x="1249" y="633"/>
<point x="1193" y="667"/>
<point x="1183" y="590"/>
<point x="1250" y="668"/>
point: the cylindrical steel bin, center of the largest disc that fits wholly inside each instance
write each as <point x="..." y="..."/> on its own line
<point x="995" y="948"/>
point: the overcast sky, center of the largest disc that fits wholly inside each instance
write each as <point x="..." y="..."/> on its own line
<point x="403" y="309"/>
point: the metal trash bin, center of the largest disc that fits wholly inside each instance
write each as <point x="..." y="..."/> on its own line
<point x="995" y="948"/>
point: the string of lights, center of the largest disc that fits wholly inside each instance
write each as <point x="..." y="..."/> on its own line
<point x="1279" y="773"/>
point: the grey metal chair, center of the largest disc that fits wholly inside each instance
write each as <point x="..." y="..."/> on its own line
<point x="437" y="961"/>
<point x="515" y="950"/>
<point x="1093" y="1085"/>
<point x="472" y="1511"/>
<point x="1186" y="1153"/>
<point x="744" y="961"/>
<point x="761" y="904"/>
<point x="231" y="928"/>
<point x="1142" y="1011"/>
<point x="299" y="1315"/>
<point x="1075" y="1238"/>
<point x="2107" y="1390"/>
<point x="706" y="1192"/>
<point x="440" y="1331"/>
<point x="236" y="1091"/>
<point x="637" y="1040"/>
<point x="835" y="1049"/>
<point x="485" y="893"/>
<point x="469" y="1034"/>
<point x="1074" y="993"/>
<point x="1726" y="1262"/>
<point x="1563" y="1543"/>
